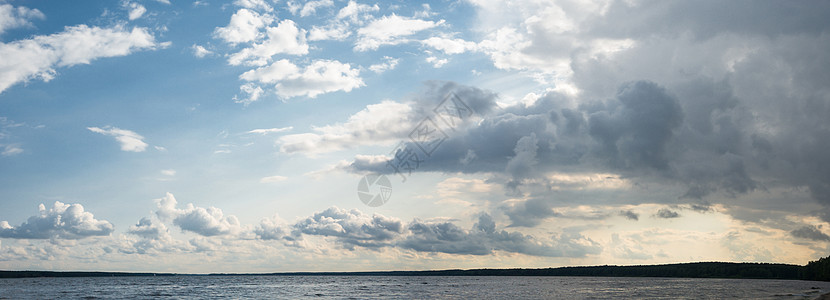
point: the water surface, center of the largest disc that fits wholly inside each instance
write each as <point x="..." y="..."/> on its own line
<point x="428" y="287"/>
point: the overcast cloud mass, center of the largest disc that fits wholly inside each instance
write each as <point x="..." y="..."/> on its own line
<point x="514" y="134"/>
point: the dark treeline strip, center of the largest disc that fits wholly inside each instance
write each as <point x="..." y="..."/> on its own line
<point x="815" y="270"/>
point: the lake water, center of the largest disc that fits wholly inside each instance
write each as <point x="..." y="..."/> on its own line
<point x="363" y="287"/>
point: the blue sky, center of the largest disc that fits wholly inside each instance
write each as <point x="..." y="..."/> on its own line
<point x="202" y="136"/>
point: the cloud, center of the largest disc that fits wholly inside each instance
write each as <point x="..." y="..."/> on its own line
<point x="200" y="51"/>
<point x="376" y="124"/>
<point x="531" y="212"/>
<point x="286" y="38"/>
<point x="273" y="179"/>
<point x="628" y="214"/>
<point x="244" y="27"/>
<point x="209" y="221"/>
<point x="264" y="131"/>
<point x="136" y="10"/>
<point x="310" y="7"/>
<point x="483" y="239"/>
<point x="38" y="57"/>
<point x="449" y="46"/>
<point x="811" y="233"/>
<point x="437" y="62"/>
<point x="149" y="228"/>
<point x="11" y="150"/>
<point x="355" y="11"/>
<point x="61" y="221"/>
<point x="388" y="63"/>
<point x="129" y="140"/>
<point x="390" y="30"/>
<point x="254" y="4"/>
<point x="666" y="213"/>
<point x="16" y="17"/>
<point x="252" y="91"/>
<point x="351" y="228"/>
<point x="272" y="229"/>
<point x="319" y="77"/>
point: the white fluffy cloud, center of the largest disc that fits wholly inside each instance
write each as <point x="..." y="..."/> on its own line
<point x="310" y="7"/>
<point x="39" y="56"/>
<point x="62" y="221"/>
<point x="254" y="4"/>
<point x="209" y="221"/>
<point x="15" y="17"/>
<point x="244" y="27"/>
<point x="450" y="46"/>
<point x="129" y="140"/>
<point x="390" y="30"/>
<point x="200" y="51"/>
<point x="379" y="123"/>
<point x="286" y="38"/>
<point x="136" y="10"/>
<point x="319" y="77"/>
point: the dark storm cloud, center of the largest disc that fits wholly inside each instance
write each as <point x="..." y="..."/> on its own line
<point x="484" y="239"/>
<point x="630" y="215"/>
<point x="666" y="213"/>
<point x="634" y="134"/>
<point x="707" y="18"/>
<point x="532" y="212"/>
<point x="627" y="133"/>
<point x="810" y="233"/>
<point x="721" y="100"/>
<point x="62" y="221"/>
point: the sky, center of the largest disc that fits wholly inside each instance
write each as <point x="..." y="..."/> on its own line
<point x="330" y="135"/>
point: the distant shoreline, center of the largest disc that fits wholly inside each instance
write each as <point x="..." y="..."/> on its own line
<point x="682" y="270"/>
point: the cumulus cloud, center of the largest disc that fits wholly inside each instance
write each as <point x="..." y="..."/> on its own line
<point x="254" y="4"/>
<point x="319" y="77"/>
<point x="356" y="12"/>
<point x="483" y="239"/>
<point x="390" y="30"/>
<point x="351" y="228"/>
<point x="666" y="213"/>
<point x="39" y="56"/>
<point x="310" y="7"/>
<point x="209" y="221"/>
<point x="286" y="38"/>
<point x="135" y="10"/>
<point x="244" y="26"/>
<point x="200" y="51"/>
<point x="272" y="229"/>
<point x="449" y="46"/>
<point x="15" y="17"/>
<point x="129" y="140"/>
<point x="61" y="221"/>
<point x="149" y="228"/>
